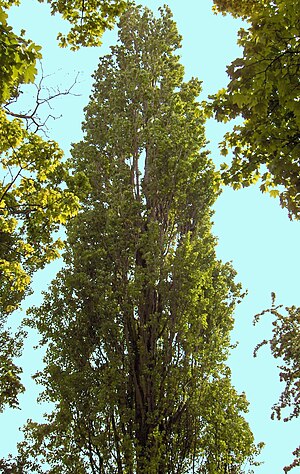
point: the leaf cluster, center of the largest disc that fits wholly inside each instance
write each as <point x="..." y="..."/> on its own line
<point x="285" y="346"/>
<point x="264" y="91"/>
<point x="89" y="19"/>
<point x="18" y="58"/>
<point x="10" y="382"/>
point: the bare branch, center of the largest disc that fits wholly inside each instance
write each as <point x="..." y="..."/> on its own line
<point x="31" y="117"/>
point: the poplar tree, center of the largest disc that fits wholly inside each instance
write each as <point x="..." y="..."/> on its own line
<point x="137" y="324"/>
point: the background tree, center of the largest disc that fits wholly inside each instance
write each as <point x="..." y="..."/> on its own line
<point x="137" y="324"/>
<point x="264" y="90"/>
<point x="285" y="345"/>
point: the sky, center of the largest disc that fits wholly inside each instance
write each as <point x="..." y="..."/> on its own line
<point x="253" y="231"/>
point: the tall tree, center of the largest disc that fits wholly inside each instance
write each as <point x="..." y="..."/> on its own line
<point x="137" y="324"/>
<point x="264" y="90"/>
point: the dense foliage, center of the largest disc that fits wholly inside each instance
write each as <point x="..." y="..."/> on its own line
<point x="137" y="324"/>
<point x="33" y="202"/>
<point x="264" y="90"/>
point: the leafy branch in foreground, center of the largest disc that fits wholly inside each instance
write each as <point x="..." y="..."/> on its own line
<point x="89" y="19"/>
<point x="34" y="198"/>
<point x="264" y="90"/>
<point x="285" y="345"/>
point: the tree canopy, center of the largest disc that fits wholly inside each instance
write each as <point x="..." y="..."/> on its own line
<point x="264" y="91"/>
<point x="137" y="324"/>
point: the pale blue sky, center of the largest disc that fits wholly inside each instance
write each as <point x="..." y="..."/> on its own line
<point x="253" y="231"/>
